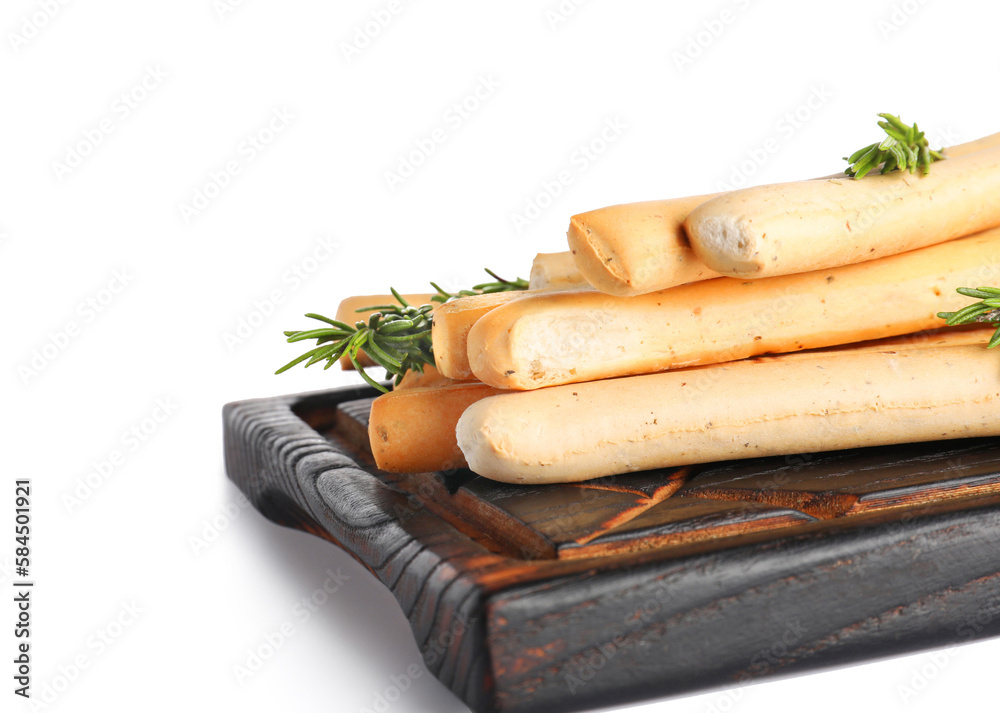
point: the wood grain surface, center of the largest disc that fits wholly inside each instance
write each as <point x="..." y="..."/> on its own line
<point x="567" y="597"/>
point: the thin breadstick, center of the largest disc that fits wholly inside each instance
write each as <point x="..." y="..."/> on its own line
<point x="748" y="409"/>
<point x="555" y="270"/>
<point x="450" y="331"/>
<point x="428" y="377"/>
<point x="416" y="433"/>
<point x="926" y="339"/>
<point x="788" y="228"/>
<point x="452" y="322"/>
<point x="413" y="430"/>
<point x="454" y="319"/>
<point x="987" y="142"/>
<point x="637" y="248"/>
<point x="569" y="337"/>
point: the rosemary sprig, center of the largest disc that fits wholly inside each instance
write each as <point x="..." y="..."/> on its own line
<point x="397" y="337"/>
<point x="986" y="311"/>
<point x="500" y="285"/>
<point x="904" y="147"/>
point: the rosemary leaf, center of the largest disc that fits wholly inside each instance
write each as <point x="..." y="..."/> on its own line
<point x="904" y="148"/>
<point x="396" y="336"/>
<point x="986" y="311"/>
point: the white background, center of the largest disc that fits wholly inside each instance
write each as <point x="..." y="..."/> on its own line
<point x="194" y="323"/>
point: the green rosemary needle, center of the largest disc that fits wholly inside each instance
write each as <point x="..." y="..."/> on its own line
<point x="986" y="311"/>
<point x="904" y="147"/>
<point x="500" y="285"/>
<point x="397" y="336"/>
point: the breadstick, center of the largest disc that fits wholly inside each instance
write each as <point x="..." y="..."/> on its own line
<point x="638" y="248"/>
<point x="987" y="142"/>
<point x="815" y="225"/>
<point x="450" y="331"/>
<point x="413" y="431"/>
<point x="927" y="339"/>
<point x="555" y="270"/>
<point x="416" y="433"/>
<point x="453" y="320"/>
<point x="749" y="409"/>
<point x="428" y="377"/>
<point x="459" y="316"/>
<point x="545" y="340"/>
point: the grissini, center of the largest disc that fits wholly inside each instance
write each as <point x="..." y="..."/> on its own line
<point x="637" y="248"/>
<point x="413" y="430"/>
<point x="555" y="270"/>
<point x="788" y="228"/>
<point x="986" y="142"/>
<point x="347" y="312"/>
<point x="454" y="319"/>
<point x="428" y="377"/>
<point x="548" y="270"/>
<point x="569" y="337"/>
<point x="450" y="331"/>
<point x="750" y="409"/>
<point x="416" y="432"/>
<point x="925" y="339"/>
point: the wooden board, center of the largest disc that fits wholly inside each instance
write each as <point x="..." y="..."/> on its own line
<point x="565" y="597"/>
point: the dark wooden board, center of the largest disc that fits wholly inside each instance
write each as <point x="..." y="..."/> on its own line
<point x="566" y="597"/>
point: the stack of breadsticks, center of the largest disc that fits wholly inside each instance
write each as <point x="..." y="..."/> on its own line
<point x="773" y="320"/>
